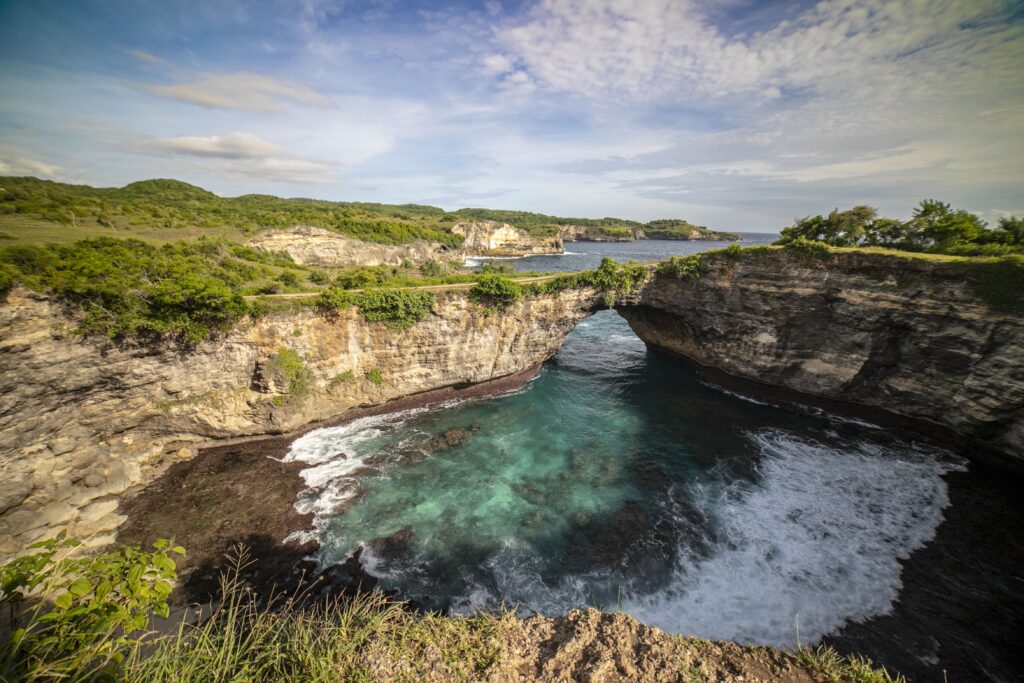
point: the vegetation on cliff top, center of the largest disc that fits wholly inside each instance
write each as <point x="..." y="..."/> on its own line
<point x="397" y="308"/>
<point x="85" y="619"/>
<point x="34" y="210"/>
<point x="935" y="227"/>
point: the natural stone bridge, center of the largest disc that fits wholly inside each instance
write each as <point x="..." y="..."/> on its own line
<point x="84" y="422"/>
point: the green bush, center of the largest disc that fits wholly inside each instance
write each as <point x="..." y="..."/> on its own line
<point x="130" y="288"/>
<point x="432" y="268"/>
<point x="733" y="251"/>
<point x="333" y="299"/>
<point x="806" y="247"/>
<point x="397" y="308"/>
<point x="690" y="267"/>
<point x="375" y="377"/>
<point x="288" y="279"/>
<point x="495" y="291"/>
<point x="287" y="366"/>
<point x="74" y="618"/>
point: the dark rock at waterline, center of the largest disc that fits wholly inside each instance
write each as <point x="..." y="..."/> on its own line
<point x="603" y="542"/>
<point x="393" y="548"/>
<point x="449" y="439"/>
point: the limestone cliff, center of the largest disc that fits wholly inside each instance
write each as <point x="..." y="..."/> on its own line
<point x="489" y="238"/>
<point x="84" y="420"/>
<point x="316" y="246"/>
<point x="590" y="233"/>
<point x="905" y="335"/>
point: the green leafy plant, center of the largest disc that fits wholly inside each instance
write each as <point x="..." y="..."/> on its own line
<point x="375" y="377"/>
<point x="432" y="268"/>
<point x="333" y="299"/>
<point x="397" y="308"/>
<point x="75" y="617"/>
<point x="733" y="252"/>
<point x="690" y="267"/>
<point x="495" y="292"/>
<point x="806" y="247"/>
<point x="288" y="367"/>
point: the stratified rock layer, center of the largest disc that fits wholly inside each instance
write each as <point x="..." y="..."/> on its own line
<point x="315" y="246"/>
<point x="489" y="238"/>
<point x="905" y="335"/>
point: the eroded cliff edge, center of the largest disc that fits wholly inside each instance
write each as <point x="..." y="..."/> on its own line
<point x="82" y="421"/>
<point x="909" y="336"/>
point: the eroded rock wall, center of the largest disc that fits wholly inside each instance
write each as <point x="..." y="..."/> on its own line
<point x="82" y="420"/>
<point x="316" y="246"/>
<point x="904" y="335"/>
<point x="489" y="238"/>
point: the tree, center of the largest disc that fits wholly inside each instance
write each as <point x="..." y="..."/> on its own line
<point x="1012" y="229"/>
<point x="937" y="224"/>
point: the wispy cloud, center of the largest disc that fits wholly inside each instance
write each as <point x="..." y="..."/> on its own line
<point x="28" y="167"/>
<point x="246" y="154"/>
<point x="242" y="91"/>
<point x="228" y="146"/>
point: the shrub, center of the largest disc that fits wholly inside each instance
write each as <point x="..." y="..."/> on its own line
<point x="287" y="366"/>
<point x="375" y="377"/>
<point x="432" y="268"/>
<point x="76" y="616"/>
<point x="318" y="277"/>
<point x="690" y="267"/>
<point x="806" y="247"/>
<point x="346" y="377"/>
<point x="334" y="299"/>
<point x="496" y="269"/>
<point x="397" y="308"/>
<point x="733" y="251"/>
<point x="288" y="279"/>
<point x="130" y="288"/>
<point x="495" y="291"/>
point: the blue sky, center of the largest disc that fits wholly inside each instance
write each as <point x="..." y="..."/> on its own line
<point x="736" y="114"/>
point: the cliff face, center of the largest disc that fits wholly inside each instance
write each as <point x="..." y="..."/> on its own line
<point x="488" y="238"/>
<point x="83" y="421"/>
<point x="316" y="246"/>
<point x="904" y="335"/>
<point x="589" y="233"/>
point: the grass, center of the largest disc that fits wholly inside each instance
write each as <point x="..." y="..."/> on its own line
<point x="838" y="669"/>
<point x="366" y="638"/>
<point x="78" y="618"/>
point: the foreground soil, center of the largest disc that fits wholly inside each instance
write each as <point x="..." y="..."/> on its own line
<point x="598" y="647"/>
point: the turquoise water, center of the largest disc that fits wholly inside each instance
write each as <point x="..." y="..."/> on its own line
<point x="616" y="479"/>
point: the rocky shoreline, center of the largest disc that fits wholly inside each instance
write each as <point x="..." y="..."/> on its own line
<point x="239" y="491"/>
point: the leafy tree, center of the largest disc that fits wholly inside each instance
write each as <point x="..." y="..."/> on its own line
<point x="840" y="228"/>
<point x="1012" y="229"/>
<point x="936" y="223"/>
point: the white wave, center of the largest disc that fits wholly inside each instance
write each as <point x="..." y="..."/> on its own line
<point x="332" y="453"/>
<point x="816" y="543"/>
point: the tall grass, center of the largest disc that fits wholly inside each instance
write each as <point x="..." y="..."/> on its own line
<point x="296" y="638"/>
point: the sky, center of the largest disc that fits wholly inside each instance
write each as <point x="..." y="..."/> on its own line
<point x="736" y="114"/>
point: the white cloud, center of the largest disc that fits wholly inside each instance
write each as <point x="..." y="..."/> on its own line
<point x="228" y="146"/>
<point x="496" y="64"/>
<point x="246" y="154"/>
<point x="28" y="167"/>
<point x="242" y="91"/>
